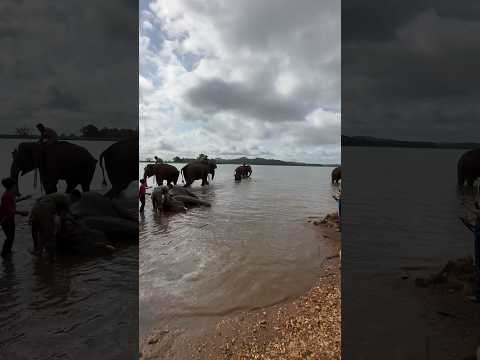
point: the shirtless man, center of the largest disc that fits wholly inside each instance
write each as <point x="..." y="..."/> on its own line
<point x="43" y="214"/>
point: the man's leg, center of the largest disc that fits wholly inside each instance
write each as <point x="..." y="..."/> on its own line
<point x="8" y="227"/>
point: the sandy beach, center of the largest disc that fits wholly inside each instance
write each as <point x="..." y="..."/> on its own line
<point x="307" y="327"/>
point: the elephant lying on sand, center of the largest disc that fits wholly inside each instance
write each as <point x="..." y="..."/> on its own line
<point x="175" y="199"/>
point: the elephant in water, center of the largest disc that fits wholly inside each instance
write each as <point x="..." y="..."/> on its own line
<point x="243" y="171"/>
<point x="468" y="167"/>
<point x="121" y="164"/>
<point x="162" y="172"/>
<point x="58" y="161"/>
<point x="198" y="170"/>
<point x="336" y="175"/>
<point x="98" y="212"/>
<point x="176" y="199"/>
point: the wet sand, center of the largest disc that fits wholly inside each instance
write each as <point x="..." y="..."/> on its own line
<point x="307" y="327"/>
<point x="454" y="320"/>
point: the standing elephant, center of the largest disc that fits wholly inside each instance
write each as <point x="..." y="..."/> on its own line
<point x="468" y="167"/>
<point x="243" y="171"/>
<point x="198" y="170"/>
<point x="336" y="175"/>
<point x="162" y="172"/>
<point x="121" y="164"/>
<point x="61" y="161"/>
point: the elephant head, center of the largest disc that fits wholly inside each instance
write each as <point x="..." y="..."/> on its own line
<point x="148" y="171"/>
<point x="25" y="159"/>
<point x="212" y="165"/>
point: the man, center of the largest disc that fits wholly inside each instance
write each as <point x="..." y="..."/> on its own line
<point x="474" y="227"/>
<point x="44" y="212"/>
<point x="141" y="194"/>
<point x="158" y="160"/>
<point x="47" y="135"/>
<point x="8" y="210"/>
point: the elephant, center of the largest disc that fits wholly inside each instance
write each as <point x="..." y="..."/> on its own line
<point x="175" y="199"/>
<point x="198" y="170"/>
<point x="162" y="172"/>
<point x="243" y="171"/>
<point x="58" y="161"/>
<point x="468" y="167"/>
<point x="121" y="159"/>
<point x="336" y="175"/>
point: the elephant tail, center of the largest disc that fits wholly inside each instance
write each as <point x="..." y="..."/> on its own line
<point x="101" y="161"/>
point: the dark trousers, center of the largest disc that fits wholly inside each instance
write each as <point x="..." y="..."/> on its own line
<point x="477" y="261"/>
<point x="8" y="226"/>
<point x="142" y="201"/>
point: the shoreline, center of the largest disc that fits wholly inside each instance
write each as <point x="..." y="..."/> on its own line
<point x="305" y="327"/>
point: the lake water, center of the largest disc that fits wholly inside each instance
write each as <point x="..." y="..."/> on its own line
<point x="400" y="210"/>
<point x="252" y="248"/>
<point x="70" y="308"/>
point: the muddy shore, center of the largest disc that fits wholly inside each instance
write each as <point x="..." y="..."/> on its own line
<point x="307" y="327"/>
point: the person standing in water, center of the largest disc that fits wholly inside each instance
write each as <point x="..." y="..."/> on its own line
<point x="42" y="218"/>
<point x="474" y="226"/>
<point x="141" y="193"/>
<point x="8" y="210"/>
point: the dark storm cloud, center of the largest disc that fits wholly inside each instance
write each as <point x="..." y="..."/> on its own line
<point x="217" y="95"/>
<point x="69" y="64"/>
<point x="413" y="72"/>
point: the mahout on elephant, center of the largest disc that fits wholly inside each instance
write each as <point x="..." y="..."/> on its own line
<point x="60" y="160"/>
<point x="121" y="165"/>
<point x="198" y="170"/>
<point x="243" y="171"/>
<point x="162" y="172"/>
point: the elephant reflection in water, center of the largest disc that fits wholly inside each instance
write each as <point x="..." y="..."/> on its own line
<point x="176" y="199"/>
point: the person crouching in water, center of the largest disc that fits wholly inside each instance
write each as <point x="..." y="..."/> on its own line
<point x="8" y="210"/>
<point x="141" y="194"/>
<point x="42" y="218"/>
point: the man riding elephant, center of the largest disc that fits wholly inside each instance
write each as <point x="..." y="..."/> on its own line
<point x="47" y="135"/>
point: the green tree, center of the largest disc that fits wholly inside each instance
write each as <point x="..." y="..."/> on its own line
<point x="89" y="131"/>
<point x="176" y="159"/>
<point x="22" y="131"/>
<point x="202" y="157"/>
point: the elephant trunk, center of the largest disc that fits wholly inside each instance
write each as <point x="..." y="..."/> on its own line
<point x="213" y="173"/>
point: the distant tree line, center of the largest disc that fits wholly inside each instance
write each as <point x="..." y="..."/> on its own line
<point x="91" y="131"/>
<point x="241" y="160"/>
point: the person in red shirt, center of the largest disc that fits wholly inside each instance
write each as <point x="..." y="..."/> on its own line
<point x="141" y="193"/>
<point x="8" y="209"/>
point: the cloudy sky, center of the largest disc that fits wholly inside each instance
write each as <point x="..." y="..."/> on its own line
<point x="68" y="64"/>
<point x="240" y="78"/>
<point x="410" y="69"/>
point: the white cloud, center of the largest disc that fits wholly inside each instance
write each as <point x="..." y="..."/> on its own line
<point x="241" y="78"/>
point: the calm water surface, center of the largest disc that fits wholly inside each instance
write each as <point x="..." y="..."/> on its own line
<point x="400" y="212"/>
<point x="86" y="305"/>
<point x="251" y="248"/>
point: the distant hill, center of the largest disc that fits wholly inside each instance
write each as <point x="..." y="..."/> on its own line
<point x="256" y="161"/>
<point x="369" y="141"/>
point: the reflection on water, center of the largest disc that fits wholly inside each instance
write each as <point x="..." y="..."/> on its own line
<point x="251" y="248"/>
<point x="88" y="306"/>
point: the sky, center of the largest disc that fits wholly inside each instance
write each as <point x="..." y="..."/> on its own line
<point x="68" y="64"/>
<point x="240" y="78"/>
<point x="410" y="69"/>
